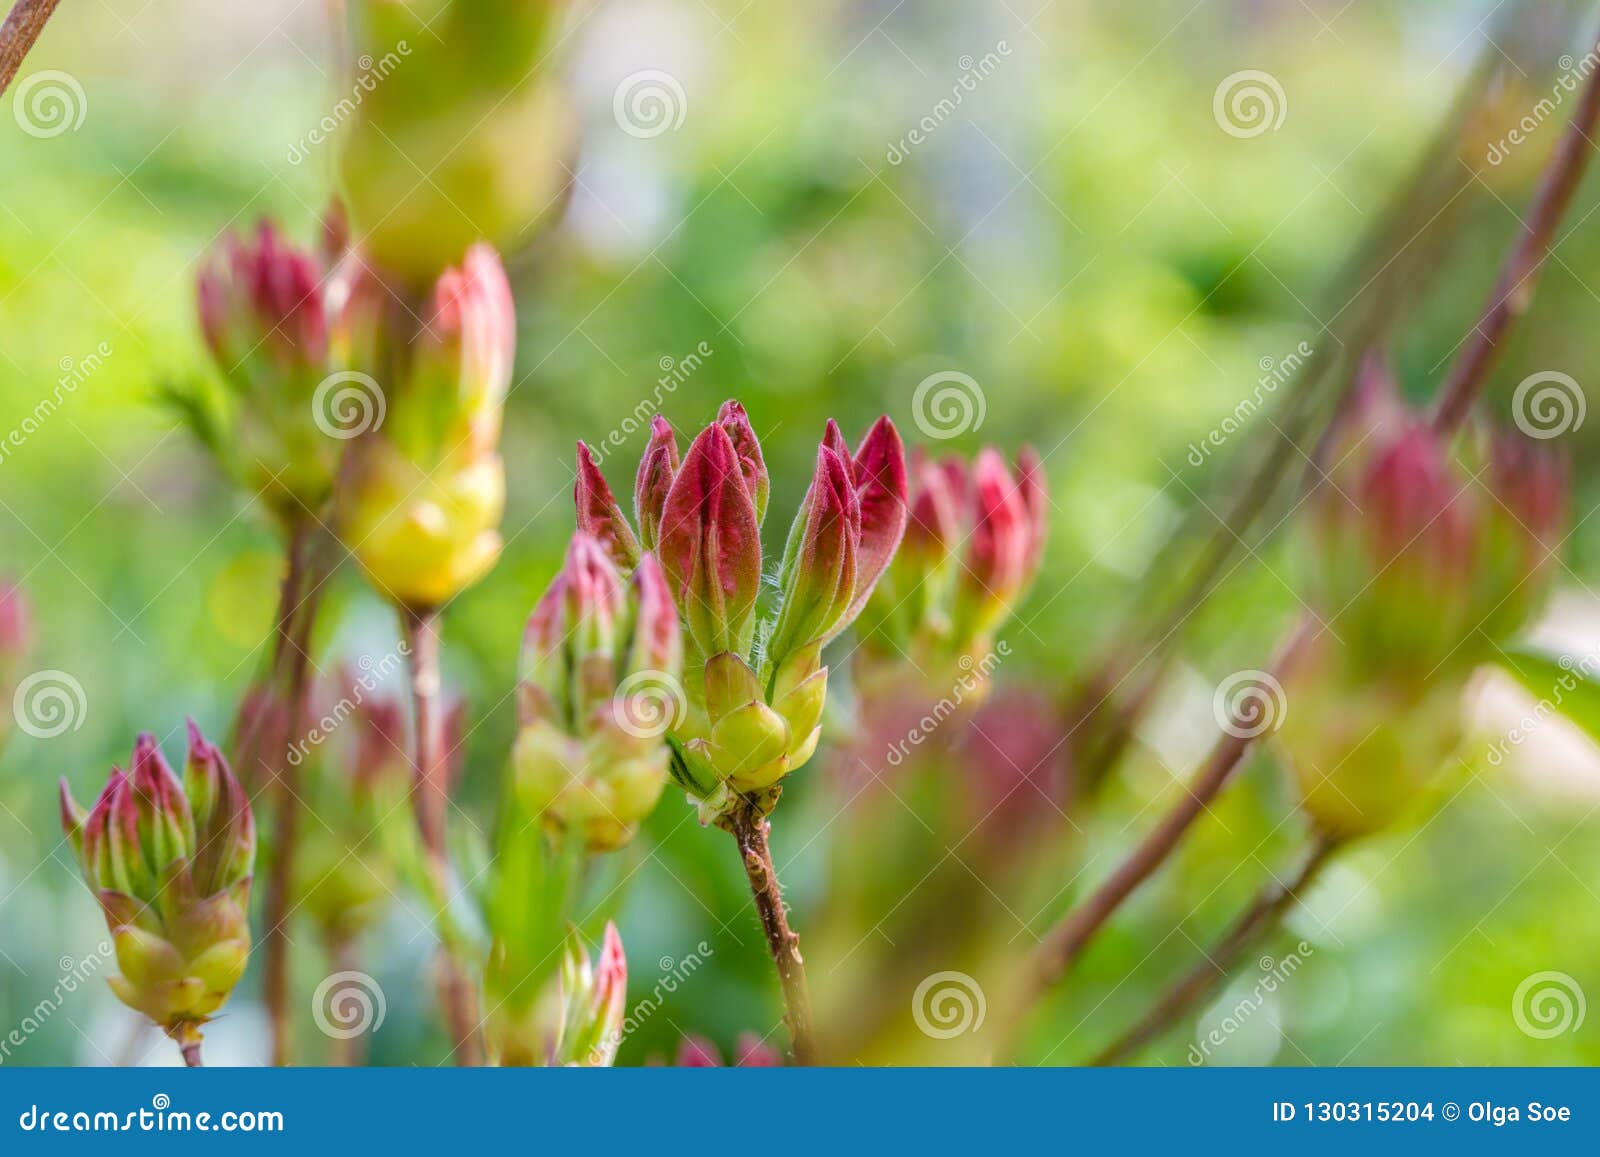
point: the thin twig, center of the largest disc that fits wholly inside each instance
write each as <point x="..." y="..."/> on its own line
<point x="1257" y="920"/>
<point x="18" y="33"/>
<point x="186" y="1035"/>
<point x="749" y="829"/>
<point x="1065" y="943"/>
<point x="430" y="794"/>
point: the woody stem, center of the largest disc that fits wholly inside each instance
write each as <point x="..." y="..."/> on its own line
<point x="430" y="796"/>
<point x="22" y="27"/>
<point x="749" y="829"/>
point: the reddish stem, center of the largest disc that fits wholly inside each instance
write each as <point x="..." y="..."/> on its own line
<point x="18" y="34"/>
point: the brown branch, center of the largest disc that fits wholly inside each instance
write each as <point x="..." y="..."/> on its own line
<point x="1066" y="942"/>
<point x="299" y="598"/>
<point x="1262" y="915"/>
<point x="749" y="829"/>
<point x="1513" y="288"/>
<point x="430" y="795"/>
<point x="17" y="35"/>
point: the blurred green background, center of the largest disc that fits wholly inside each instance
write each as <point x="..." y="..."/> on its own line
<point x="1079" y="235"/>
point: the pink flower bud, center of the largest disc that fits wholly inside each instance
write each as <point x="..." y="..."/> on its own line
<point x="732" y="418"/>
<point x="170" y="863"/>
<point x="657" y="469"/>
<point x="261" y="298"/>
<point x="16" y="624"/>
<point x="818" y="575"/>
<point x="600" y="516"/>
<point x="710" y="545"/>
<point x="879" y="468"/>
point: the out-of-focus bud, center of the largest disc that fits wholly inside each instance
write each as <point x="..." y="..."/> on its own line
<point x="16" y="638"/>
<point x="264" y="316"/>
<point x="575" y="1017"/>
<point x="348" y="862"/>
<point x="1424" y="563"/>
<point x="599" y="515"/>
<point x="710" y="546"/>
<point x="464" y="91"/>
<point x="749" y="1052"/>
<point x="972" y="549"/>
<point x="427" y="486"/>
<point x="657" y="469"/>
<point x="171" y="865"/>
<point x="601" y="685"/>
<point x="1530" y="491"/>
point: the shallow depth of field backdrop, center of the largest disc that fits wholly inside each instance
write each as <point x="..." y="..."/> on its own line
<point x="1072" y="225"/>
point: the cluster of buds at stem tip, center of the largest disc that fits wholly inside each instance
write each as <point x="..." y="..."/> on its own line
<point x="575" y="1019"/>
<point x="1427" y="556"/>
<point x="601" y="684"/>
<point x="264" y="314"/>
<point x="466" y="92"/>
<point x="972" y="550"/>
<point x="426" y="485"/>
<point x="755" y="689"/>
<point x="170" y="863"/>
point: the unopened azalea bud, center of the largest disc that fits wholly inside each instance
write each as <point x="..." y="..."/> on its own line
<point x="602" y="664"/>
<point x="972" y="549"/>
<point x="428" y="487"/>
<point x="732" y="418"/>
<point x="462" y="91"/>
<point x="657" y="469"/>
<point x="16" y="637"/>
<point x="600" y="516"/>
<point x="818" y="574"/>
<point x="1529" y="485"/>
<point x="171" y="865"/>
<point x="710" y="545"/>
<point x="264" y="314"/>
<point x="573" y="1017"/>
